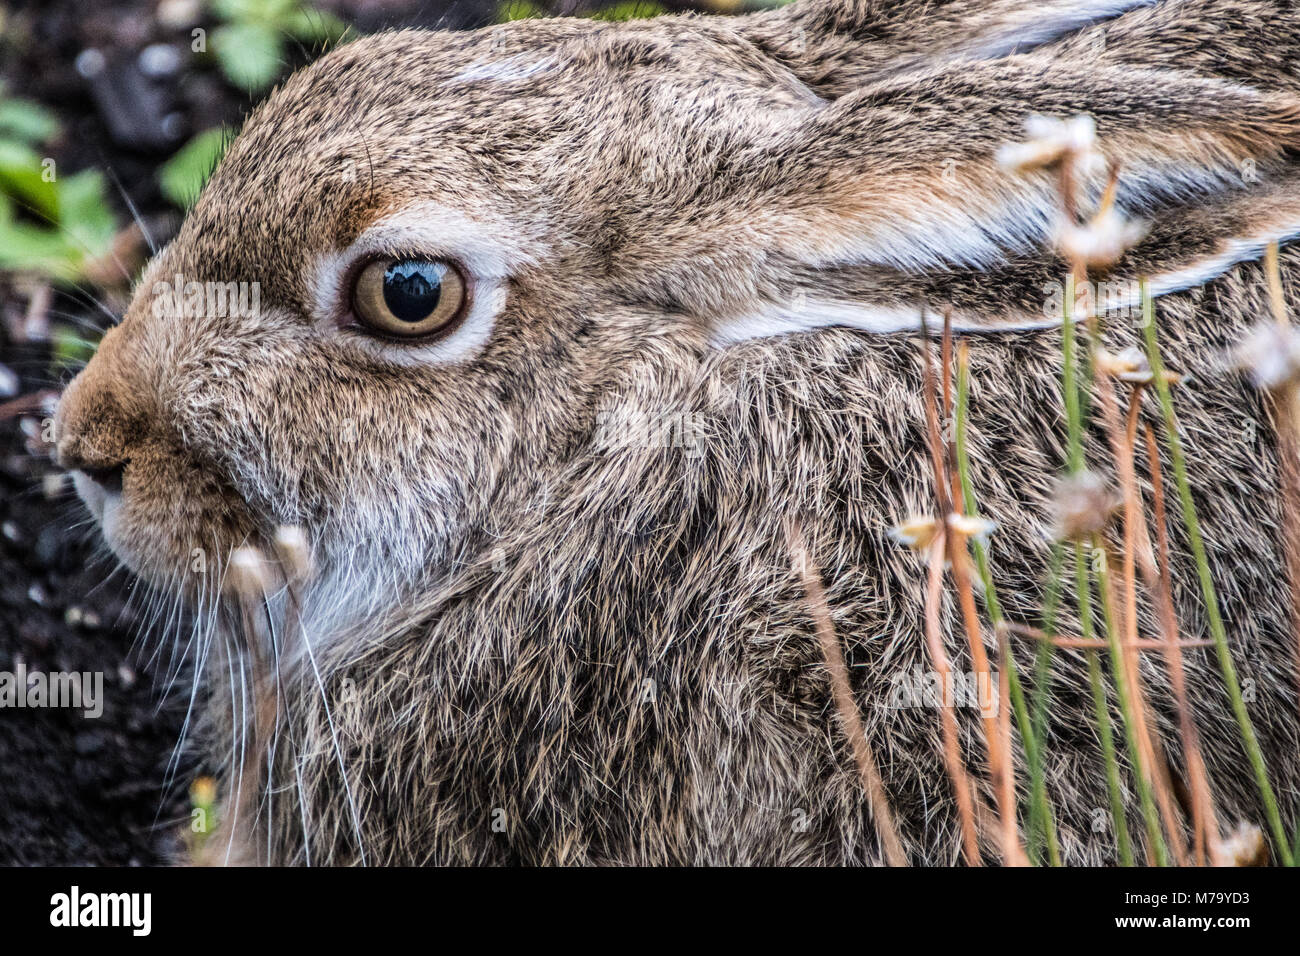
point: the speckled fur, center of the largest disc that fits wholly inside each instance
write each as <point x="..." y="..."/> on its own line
<point x="572" y="654"/>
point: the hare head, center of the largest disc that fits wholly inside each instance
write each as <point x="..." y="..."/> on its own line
<point x="430" y="257"/>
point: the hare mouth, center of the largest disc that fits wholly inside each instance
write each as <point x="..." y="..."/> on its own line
<point x="102" y="495"/>
<point x="178" y="555"/>
<point x="104" y="500"/>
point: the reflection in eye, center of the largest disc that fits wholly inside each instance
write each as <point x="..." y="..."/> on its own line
<point x="409" y="298"/>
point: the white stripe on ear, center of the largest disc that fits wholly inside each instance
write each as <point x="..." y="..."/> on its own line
<point x="783" y="318"/>
<point x="1021" y="30"/>
<point x="1235" y="251"/>
<point x="1037" y="25"/>
<point x="971" y="230"/>
<point x="942" y="232"/>
<point x="879" y="319"/>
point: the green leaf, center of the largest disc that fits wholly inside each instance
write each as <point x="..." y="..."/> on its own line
<point x="50" y="226"/>
<point x="519" y="10"/>
<point x="249" y="54"/>
<point x="629" y="10"/>
<point x="27" y="121"/>
<point x="21" y="176"/>
<point x="85" y="216"/>
<point x="240" y="10"/>
<point x="313" y="26"/>
<point x="70" y="349"/>
<point x="28" y="248"/>
<point x="182" y="177"/>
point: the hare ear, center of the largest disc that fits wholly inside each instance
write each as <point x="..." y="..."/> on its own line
<point x="895" y="194"/>
<point x="836" y="46"/>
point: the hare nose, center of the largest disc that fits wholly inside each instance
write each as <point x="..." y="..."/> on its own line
<point x="94" y="433"/>
<point x="74" y="453"/>
<point x="107" y="477"/>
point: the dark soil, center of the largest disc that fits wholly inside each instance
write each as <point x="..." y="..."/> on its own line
<point x="77" y="790"/>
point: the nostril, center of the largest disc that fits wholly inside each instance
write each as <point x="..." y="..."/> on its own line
<point x="108" y="477"/>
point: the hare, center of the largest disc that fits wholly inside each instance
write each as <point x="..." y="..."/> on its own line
<point x="553" y="329"/>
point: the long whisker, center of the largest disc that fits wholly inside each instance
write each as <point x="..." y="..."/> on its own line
<point x="338" y="750"/>
<point x="131" y="208"/>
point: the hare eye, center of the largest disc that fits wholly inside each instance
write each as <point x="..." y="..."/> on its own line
<point x="408" y="298"/>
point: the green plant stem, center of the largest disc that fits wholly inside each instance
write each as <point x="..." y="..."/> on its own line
<point x="1074" y="463"/>
<point x="1041" y="822"/>
<point x="1101" y="707"/>
<point x="1217" y="631"/>
<point x="1127" y="709"/>
<point x="1043" y="660"/>
<point x="1069" y="383"/>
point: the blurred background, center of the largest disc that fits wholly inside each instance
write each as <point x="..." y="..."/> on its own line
<point x="112" y="114"/>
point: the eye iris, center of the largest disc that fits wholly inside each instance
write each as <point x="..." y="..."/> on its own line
<point x="412" y="289"/>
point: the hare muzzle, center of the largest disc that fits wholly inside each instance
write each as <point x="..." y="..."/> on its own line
<point x="164" y="513"/>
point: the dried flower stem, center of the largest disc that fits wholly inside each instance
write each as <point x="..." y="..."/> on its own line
<point x="996" y="728"/>
<point x="1129" y="707"/>
<point x="1040" y="813"/>
<point x="1148" y="758"/>
<point x="1205" y="828"/>
<point x="1122" y="438"/>
<point x="949" y="493"/>
<point x="1074" y="464"/>
<point x="1273" y="270"/>
<point x="933" y="629"/>
<point x="1078" y="643"/>
<point x="996" y="737"/>
<point x="248" y="581"/>
<point x="1132" y="707"/>
<point x="1101" y="707"/>
<point x="951" y="748"/>
<point x="846" y="707"/>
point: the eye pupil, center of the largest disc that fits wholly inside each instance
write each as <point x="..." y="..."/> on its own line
<point x="412" y="288"/>
<point x="409" y="298"/>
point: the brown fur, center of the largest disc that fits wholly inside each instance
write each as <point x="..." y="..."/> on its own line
<point x="605" y="651"/>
